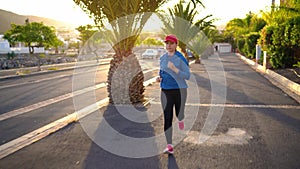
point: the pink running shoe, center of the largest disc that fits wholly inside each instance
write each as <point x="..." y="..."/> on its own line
<point x="181" y="125"/>
<point x="169" y="149"/>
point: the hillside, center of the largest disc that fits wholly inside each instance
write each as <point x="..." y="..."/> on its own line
<point x="6" y="18"/>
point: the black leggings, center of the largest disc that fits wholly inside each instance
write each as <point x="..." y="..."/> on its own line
<point x="169" y="99"/>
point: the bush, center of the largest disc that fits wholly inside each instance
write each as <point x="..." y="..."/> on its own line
<point x="250" y="44"/>
<point x="285" y="44"/>
<point x="240" y="45"/>
<point x="265" y="39"/>
<point x="10" y="55"/>
<point x="282" y="42"/>
<point x="297" y="65"/>
<point x="281" y="57"/>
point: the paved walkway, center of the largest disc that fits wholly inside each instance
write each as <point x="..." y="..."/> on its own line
<point x="252" y="123"/>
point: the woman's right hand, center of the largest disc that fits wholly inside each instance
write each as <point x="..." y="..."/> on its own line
<point x="158" y="79"/>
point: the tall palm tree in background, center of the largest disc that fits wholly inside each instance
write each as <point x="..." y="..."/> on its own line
<point x="239" y="27"/>
<point x="181" y="21"/>
<point x="279" y="14"/>
<point x="273" y="3"/>
<point x="236" y="28"/>
<point x="127" y="19"/>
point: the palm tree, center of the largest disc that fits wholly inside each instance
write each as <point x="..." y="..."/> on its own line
<point x="126" y="19"/>
<point x="181" y="22"/>
<point x="279" y="14"/>
<point x="238" y="27"/>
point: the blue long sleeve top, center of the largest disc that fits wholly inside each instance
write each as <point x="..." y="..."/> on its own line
<point x="170" y="79"/>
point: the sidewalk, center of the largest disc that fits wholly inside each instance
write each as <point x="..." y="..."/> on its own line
<point x="253" y="108"/>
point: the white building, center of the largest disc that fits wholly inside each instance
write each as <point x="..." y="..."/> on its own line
<point x="4" y="45"/>
<point x="223" y="47"/>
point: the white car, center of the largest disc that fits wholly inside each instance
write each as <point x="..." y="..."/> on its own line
<point x="150" y="53"/>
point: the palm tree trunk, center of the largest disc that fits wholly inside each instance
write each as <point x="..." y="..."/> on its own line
<point x="273" y="3"/>
<point x="197" y="60"/>
<point x="125" y="79"/>
<point x="183" y="50"/>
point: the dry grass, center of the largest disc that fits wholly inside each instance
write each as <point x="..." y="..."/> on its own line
<point x="23" y="72"/>
<point x="53" y="68"/>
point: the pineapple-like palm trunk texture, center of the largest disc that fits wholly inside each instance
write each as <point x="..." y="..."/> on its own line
<point x="125" y="80"/>
<point x="183" y="50"/>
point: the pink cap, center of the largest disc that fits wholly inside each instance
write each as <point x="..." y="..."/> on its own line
<point x="171" y="38"/>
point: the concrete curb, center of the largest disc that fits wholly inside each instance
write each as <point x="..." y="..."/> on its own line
<point x="289" y="87"/>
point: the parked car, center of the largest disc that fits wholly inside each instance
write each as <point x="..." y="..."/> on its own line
<point x="161" y="51"/>
<point x="189" y="53"/>
<point x="150" y="53"/>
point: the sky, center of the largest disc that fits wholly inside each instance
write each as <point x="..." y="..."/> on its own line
<point x="68" y="11"/>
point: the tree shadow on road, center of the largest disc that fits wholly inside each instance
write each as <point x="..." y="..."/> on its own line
<point x="112" y="147"/>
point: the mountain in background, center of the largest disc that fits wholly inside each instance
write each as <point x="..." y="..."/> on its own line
<point x="7" y="18"/>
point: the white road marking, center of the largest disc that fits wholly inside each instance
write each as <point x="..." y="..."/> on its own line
<point x="36" y="135"/>
<point x="239" y="105"/>
<point x="150" y="70"/>
<point x="27" y="139"/>
<point x="44" y="103"/>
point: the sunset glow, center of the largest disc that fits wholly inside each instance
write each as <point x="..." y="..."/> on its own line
<point x="68" y="11"/>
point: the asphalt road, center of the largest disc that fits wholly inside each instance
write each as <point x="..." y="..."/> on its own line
<point x="259" y="127"/>
<point x="43" y="98"/>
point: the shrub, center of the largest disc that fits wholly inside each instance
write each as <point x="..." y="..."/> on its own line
<point x="297" y="65"/>
<point x="240" y="45"/>
<point x="282" y="42"/>
<point x="265" y="39"/>
<point x="10" y="55"/>
<point x="250" y="44"/>
<point x="285" y="44"/>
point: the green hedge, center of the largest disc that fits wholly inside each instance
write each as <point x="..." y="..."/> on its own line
<point x="250" y="44"/>
<point x="240" y="45"/>
<point x="247" y="45"/>
<point x="266" y="37"/>
<point x="282" y="42"/>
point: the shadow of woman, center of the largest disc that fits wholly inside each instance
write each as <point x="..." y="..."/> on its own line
<point x="120" y="142"/>
<point x="172" y="164"/>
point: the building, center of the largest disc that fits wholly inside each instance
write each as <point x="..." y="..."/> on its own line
<point x="4" y="45"/>
<point x="222" y="47"/>
<point x="20" y="48"/>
